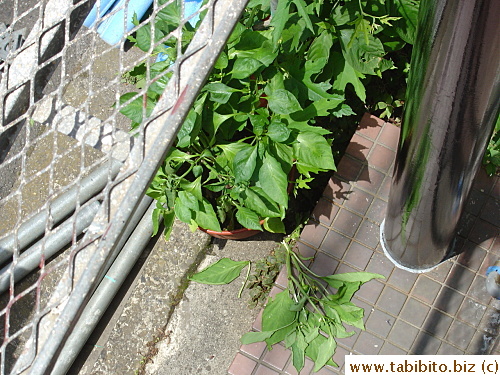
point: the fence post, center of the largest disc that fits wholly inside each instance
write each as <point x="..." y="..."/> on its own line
<point x="452" y="104"/>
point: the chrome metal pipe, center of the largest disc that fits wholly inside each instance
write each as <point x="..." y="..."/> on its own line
<point x="452" y="104"/>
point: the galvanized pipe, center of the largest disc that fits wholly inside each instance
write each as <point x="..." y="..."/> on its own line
<point x="60" y="207"/>
<point x="452" y="104"/>
<point x="106" y="291"/>
<point x="48" y="246"/>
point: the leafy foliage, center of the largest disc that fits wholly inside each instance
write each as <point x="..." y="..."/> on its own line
<point x="309" y="314"/>
<point x="255" y="122"/>
<point x="491" y="159"/>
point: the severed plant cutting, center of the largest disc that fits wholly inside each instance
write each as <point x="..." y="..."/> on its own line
<point x="308" y="315"/>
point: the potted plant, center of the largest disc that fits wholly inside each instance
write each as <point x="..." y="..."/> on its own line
<point x="255" y="119"/>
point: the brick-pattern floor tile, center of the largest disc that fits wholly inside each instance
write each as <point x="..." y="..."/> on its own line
<point x="475" y="202"/>
<point x="414" y="312"/>
<point x="370" y="180"/>
<point x="370" y="291"/>
<point x="325" y="211"/>
<point x="242" y="365"/>
<point x="389" y="349"/>
<point x="472" y="256"/>
<point x="335" y="244"/>
<point x="460" y="334"/>
<point x="370" y="126"/>
<point x="425" y="344"/>
<point x="402" y="280"/>
<point x="347" y="222"/>
<point x="483" y="233"/>
<point x="359" y="147"/>
<point x="348" y="168"/>
<point x="478" y="290"/>
<point x="277" y="357"/>
<point x="426" y="289"/>
<point x="368" y="234"/>
<point x="403" y="335"/>
<point x="449" y="300"/>
<point x="380" y="264"/>
<point x="255" y="350"/>
<point x="368" y="344"/>
<point x="337" y="190"/>
<point x="377" y="211"/>
<point x="389" y="136"/>
<point x="359" y="201"/>
<point x="358" y="255"/>
<point x="491" y="213"/>
<point x="327" y="370"/>
<point x="304" y="249"/>
<point x="391" y="300"/>
<point x="380" y="323"/>
<point x="460" y="278"/>
<point x="381" y="158"/>
<point x="447" y="349"/>
<point x="324" y="265"/>
<point x="263" y="370"/>
<point x="437" y="323"/>
<point x="313" y="233"/>
<point x="471" y="312"/>
<point x="440" y="273"/>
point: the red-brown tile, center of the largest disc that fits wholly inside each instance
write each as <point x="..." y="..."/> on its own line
<point x="377" y="211"/>
<point x="325" y="211"/>
<point x="368" y="234"/>
<point x="348" y="169"/>
<point x="335" y="244"/>
<point x="389" y="136"/>
<point x="277" y="357"/>
<point x="370" y="126"/>
<point x="304" y="249"/>
<point x="257" y="324"/>
<point x="282" y="279"/>
<point x="385" y="188"/>
<point x="337" y="190"/>
<point x="313" y="234"/>
<point x="483" y="233"/>
<point x="242" y="365"/>
<point x="370" y="179"/>
<point x="324" y="265"/>
<point x="359" y="147"/>
<point x="254" y="350"/>
<point x="308" y="366"/>
<point x="358" y="255"/>
<point x="263" y="370"/>
<point x="381" y="158"/>
<point x="359" y="201"/>
<point x="347" y="222"/>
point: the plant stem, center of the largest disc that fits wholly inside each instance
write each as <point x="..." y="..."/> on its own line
<point x="246" y="279"/>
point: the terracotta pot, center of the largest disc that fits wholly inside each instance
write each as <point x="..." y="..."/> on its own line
<point x="237" y="234"/>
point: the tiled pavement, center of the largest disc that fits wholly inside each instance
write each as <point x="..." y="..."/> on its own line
<point x="444" y="311"/>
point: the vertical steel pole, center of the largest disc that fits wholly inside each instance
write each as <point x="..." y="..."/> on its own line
<point x="452" y="104"/>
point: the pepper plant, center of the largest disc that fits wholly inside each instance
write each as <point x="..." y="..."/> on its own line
<point x="308" y="315"/>
<point x="252" y="136"/>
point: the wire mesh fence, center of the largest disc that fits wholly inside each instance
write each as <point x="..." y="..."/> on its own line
<point x="72" y="171"/>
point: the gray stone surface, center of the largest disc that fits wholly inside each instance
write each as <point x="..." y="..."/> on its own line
<point x="197" y="329"/>
<point x="205" y="329"/>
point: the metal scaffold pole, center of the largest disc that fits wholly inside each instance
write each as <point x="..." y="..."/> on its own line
<point x="452" y="105"/>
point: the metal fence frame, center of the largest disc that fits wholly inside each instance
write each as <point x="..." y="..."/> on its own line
<point x="115" y="190"/>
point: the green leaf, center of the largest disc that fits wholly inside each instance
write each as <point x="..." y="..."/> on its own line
<point x="193" y="187"/>
<point x="168" y="222"/>
<point x="248" y="218"/>
<point x="283" y="102"/>
<point x="326" y="351"/>
<point x="304" y="14"/>
<point x="299" y="351"/>
<point x="352" y="277"/>
<point x="258" y="201"/>
<point x="314" y="347"/>
<point x="273" y="180"/>
<point x="244" y="163"/>
<point x="278" y="131"/>
<point x="365" y="54"/>
<point x="406" y="27"/>
<point x="274" y="225"/>
<point x="259" y="123"/>
<point x="344" y="110"/>
<point x="222" y="61"/>
<point x="319" y="52"/>
<point x="134" y="109"/>
<point x="345" y="74"/>
<point x="221" y="272"/>
<point x="244" y="67"/>
<point x="320" y="107"/>
<point x="252" y="337"/>
<point x="277" y="314"/>
<point x="206" y="217"/>
<point x="279" y="19"/>
<point x="157" y="213"/>
<point x="313" y="153"/>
